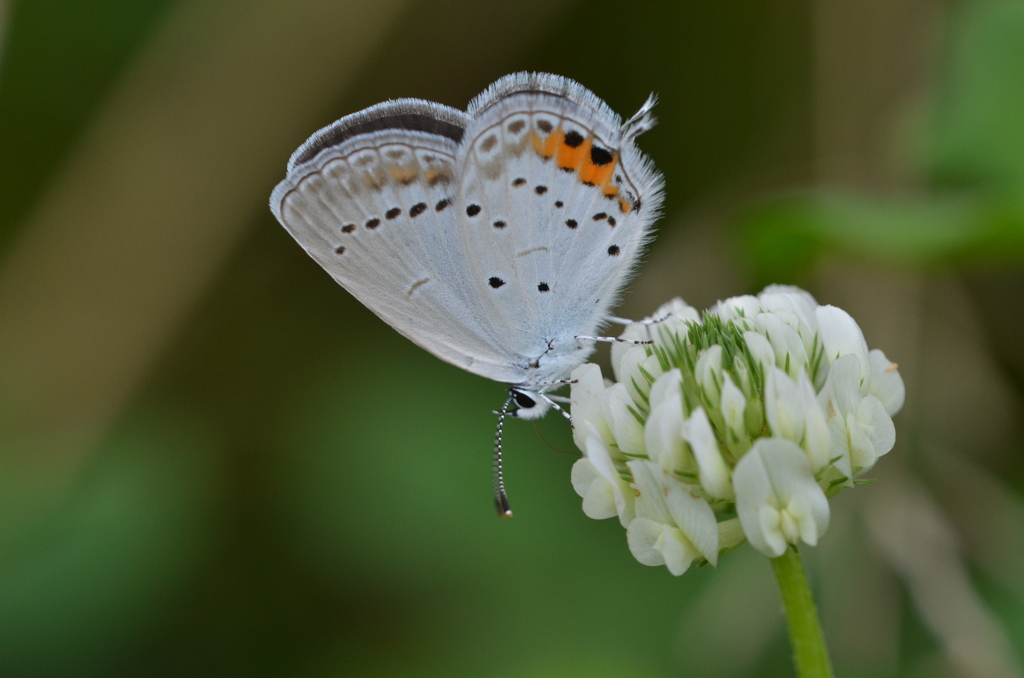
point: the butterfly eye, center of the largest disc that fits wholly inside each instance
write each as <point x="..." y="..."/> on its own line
<point x="523" y="400"/>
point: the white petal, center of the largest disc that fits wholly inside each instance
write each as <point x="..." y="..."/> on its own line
<point x="697" y="521"/>
<point x="877" y="424"/>
<point x="783" y="406"/>
<point x="787" y="344"/>
<point x="841" y="335"/>
<point x="650" y="491"/>
<point x="770" y="522"/>
<point x="583" y="474"/>
<point x="644" y="537"/>
<point x="598" y="494"/>
<point x="667" y="385"/>
<point x="737" y="307"/>
<point x="767" y="480"/>
<point x="677" y="550"/>
<point x="801" y="296"/>
<point x="634" y="332"/>
<point x="760" y="349"/>
<point x="598" y="455"/>
<point x="817" y="439"/>
<point x="663" y="435"/>
<point x="863" y="454"/>
<point x="886" y="382"/>
<point x="629" y="432"/>
<point x="585" y="396"/>
<point x="714" y="472"/>
<point x="678" y="309"/>
<point x="844" y="384"/>
<point x="775" y="298"/>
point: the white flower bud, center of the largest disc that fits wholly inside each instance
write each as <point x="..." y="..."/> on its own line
<point x="709" y="372"/>
<point x="713" y="471"/>
<point x="777" y="498"/>
<point x="733" y="409"/>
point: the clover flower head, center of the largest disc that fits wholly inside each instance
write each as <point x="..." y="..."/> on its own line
<point x="736" y="424"/>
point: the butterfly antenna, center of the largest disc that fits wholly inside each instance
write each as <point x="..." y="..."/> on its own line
<point x="500" y="498"/>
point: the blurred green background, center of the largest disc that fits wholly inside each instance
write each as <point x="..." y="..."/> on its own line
<point x="213" y="461"/>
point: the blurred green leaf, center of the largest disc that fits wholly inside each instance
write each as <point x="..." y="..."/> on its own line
<point x="978" y="131"/>
<point x="91" y="579"/>
<point x="783" y="239"/>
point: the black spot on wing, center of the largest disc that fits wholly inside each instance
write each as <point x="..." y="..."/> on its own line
<point x="439" y="207"/>
<point x="573" y="139"/>
<point x="473" y="210"/>
<point x="392" y="213"/>
<point x="613" y="250"/>
<point x="543" y="287"/>
<point x="417" y="209"/>
<point x="373" y="223"/>
<point x="495" y="282"/>
<point x="600" y="156"/>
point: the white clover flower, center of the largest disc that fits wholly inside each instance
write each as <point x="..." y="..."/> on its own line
<point x="762" y="408"/>
<point x="777" y="499"/>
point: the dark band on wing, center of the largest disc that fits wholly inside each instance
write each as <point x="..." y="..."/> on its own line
<point x="340" y="132"/>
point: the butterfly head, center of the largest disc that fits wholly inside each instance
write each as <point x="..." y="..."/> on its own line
<point x="529" y="404"/>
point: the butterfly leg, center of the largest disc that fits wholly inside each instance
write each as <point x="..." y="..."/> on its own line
<point x="555" y="405"/>
<point x="637" y="342"/>
<point x="627" y="321"/>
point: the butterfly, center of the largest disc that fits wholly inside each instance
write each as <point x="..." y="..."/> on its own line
<point x="497" y="238"/>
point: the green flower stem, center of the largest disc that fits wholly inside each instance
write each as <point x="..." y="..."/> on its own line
<point x="809" y="651"/>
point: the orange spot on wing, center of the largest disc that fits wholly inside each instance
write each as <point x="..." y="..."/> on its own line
<point x="547" y="147"/>
<point x="573" y="158"/>
<point x="599" y="175"/>
<point x="403" y="173"/>
<point x="625" y="206"/>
